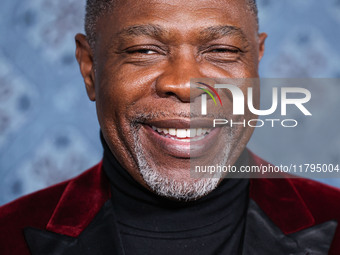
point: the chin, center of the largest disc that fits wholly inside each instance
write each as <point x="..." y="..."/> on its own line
<point x="172" y="183"/>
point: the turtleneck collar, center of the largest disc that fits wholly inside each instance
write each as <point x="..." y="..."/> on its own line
<point x="138" y="207"/>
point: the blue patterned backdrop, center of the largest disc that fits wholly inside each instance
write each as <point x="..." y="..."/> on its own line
<point x="48" y="127"/>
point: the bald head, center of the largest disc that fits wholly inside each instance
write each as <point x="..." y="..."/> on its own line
<point x="97" y="8"/>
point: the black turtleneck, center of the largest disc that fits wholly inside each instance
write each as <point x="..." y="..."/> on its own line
<point x="150" y="224"/>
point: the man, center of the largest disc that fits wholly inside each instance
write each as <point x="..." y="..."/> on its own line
<point x="137" y="60"/>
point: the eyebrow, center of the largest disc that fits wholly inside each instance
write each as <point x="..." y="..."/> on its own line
<point x="216" y="32"/>
<point x="139" y="30"/>
<point x="158" y="32"/>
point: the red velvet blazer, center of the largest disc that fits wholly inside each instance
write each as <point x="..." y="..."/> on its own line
<point x="69" y="207"/>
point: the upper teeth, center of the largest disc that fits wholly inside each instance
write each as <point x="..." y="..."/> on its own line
<point x="182" y="133"/>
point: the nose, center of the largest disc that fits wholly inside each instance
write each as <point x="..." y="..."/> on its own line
<point x="175" y="80"/>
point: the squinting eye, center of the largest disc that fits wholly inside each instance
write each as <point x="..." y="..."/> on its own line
<point x="143" y="51"/>
<point x="224" y="50"/>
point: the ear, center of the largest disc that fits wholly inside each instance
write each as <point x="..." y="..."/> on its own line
<point x="262" y="38"/>
<point x="84" y="57"/>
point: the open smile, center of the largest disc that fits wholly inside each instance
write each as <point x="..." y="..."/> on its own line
<point x="184" y="135"/>
<point x="181" y="138"/>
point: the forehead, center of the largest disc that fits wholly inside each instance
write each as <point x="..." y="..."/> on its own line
<point x="178" y="16"/>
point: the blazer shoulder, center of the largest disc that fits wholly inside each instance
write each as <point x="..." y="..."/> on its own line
<point x="33" y="210"/>
<point x="288" y="193"/>
<point x="37" y="209"/>
<point x="32" y="207"/>
<point x="321" y="199"/>
<point x="323" y="202"/>
<point x="316" y="195"/>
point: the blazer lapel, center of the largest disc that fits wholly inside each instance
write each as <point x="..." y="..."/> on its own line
<point x="262" y="236"/>
<point x="45" y="242"/>
<point x="279" y="220"/>
<point x="100" y="237"/>
<point x="83" y="221"/>
<point x="82" y="199"/>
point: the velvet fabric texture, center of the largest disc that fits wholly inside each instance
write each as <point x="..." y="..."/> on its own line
<point x="69" y="207"/>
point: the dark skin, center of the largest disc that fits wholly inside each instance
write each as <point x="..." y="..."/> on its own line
<point x="145" y="54"/>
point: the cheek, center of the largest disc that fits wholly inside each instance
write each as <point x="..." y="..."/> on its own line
<point x="123" y="92"/>
<point x="244" y="68"/>
<point x="126" y="85"/>
<point x="116" y="91"/>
